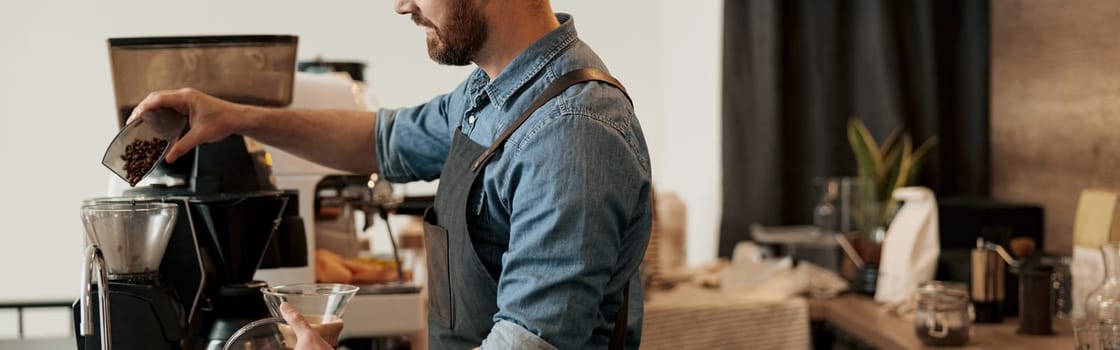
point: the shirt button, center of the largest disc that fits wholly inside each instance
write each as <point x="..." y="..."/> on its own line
<point x="471" y="119"/>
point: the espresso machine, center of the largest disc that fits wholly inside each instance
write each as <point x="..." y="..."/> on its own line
<point x="229" y="219"/>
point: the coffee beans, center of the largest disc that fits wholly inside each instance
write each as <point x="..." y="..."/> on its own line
<point x="139" y="156"/>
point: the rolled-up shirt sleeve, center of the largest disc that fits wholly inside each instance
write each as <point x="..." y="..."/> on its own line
<point x="575" y="194"/>
<point x="507" y="335"/>
<point x="412" y="142"/>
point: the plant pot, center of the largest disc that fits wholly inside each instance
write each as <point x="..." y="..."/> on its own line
<point x="870" y="246"/>
<point x="864" y="279"/>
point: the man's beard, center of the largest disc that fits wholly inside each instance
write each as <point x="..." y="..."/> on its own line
<point x="457" y="42"/>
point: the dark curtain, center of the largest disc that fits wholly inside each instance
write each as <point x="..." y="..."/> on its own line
<point x="795" y="71"/>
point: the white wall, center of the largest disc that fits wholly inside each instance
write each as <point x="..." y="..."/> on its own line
<point x="688" y="159"/>
<point x="57" y="112"/>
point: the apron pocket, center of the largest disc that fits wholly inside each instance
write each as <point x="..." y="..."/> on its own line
<point x="439" y="277"/>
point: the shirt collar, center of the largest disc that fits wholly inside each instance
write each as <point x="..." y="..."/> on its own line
<point x="526" y="65"/>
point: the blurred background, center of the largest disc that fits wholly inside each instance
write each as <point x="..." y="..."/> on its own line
<point x="744" y="103"/>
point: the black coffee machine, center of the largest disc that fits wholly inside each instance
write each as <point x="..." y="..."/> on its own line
<point x="203" y="290"/>
<point x="232" y="220"/>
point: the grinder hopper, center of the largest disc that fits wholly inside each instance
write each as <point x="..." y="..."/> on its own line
<point x="132" y="235"/>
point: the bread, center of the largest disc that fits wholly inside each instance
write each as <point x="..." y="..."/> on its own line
<point x="330" y="268"/>
<point x="333" y="268"/>
<point x="364" y="273"/>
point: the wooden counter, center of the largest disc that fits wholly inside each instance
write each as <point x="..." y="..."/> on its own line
<point x="861" y="317"/>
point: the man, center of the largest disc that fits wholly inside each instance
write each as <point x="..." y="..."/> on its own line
<point x="543" y="211"/>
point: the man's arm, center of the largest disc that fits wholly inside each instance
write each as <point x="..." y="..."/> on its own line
<point x="336" y="139"/>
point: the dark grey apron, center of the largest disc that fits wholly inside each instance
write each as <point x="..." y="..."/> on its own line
<point x="457" y="280"/>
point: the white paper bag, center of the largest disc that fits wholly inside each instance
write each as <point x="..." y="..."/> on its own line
<point x="1086" y="272"/>
<point x="911" y="246"/>
<point x="1096" y="222"/>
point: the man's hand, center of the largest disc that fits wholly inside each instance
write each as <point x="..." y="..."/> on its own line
<point x="306" y="338"/>
<point x="211" y="118"/>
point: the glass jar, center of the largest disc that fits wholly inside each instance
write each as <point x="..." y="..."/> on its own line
<point x="943" y="316"/>
<point x="1061" y="283"/>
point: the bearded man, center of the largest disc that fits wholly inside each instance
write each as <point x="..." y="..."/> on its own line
<point x="543" y="210"/>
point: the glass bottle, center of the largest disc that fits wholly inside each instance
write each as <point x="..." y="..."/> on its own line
<point x="825" y="215"/>
<point x="1103" y="304"/>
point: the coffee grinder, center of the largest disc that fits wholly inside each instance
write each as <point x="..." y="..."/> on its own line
<point x="178" y="284"/>
<point x="232" y="220"/>
<point x="127" y="242"/>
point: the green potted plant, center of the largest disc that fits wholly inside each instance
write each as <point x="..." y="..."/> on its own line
<point x="882" y="168"/>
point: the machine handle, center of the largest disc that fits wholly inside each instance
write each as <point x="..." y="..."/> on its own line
<point x="414" y="205"/>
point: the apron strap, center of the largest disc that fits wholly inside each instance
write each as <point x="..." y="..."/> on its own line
<point x="557" y="87"/>
<point x="618" y="337"/>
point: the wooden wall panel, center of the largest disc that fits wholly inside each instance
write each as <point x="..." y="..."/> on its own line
<point x="1055" y="105"/>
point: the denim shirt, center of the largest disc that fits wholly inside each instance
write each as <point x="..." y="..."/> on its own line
<point x="561" y="216"/>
